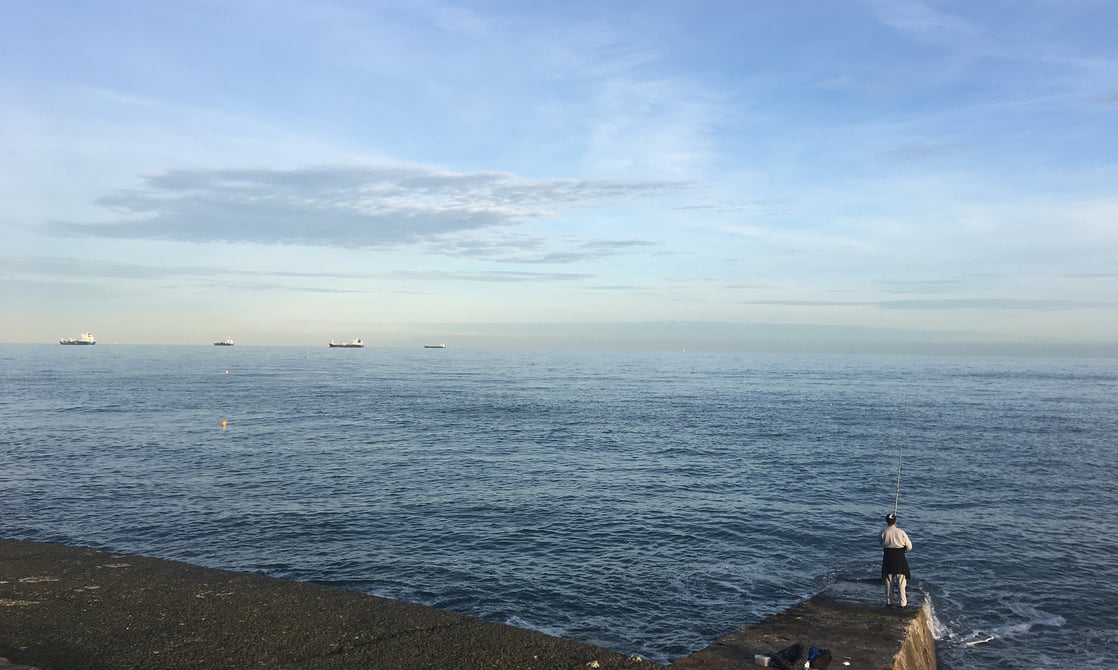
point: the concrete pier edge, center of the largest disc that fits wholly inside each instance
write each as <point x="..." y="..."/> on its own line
<point x="851" y="620"/>
<point x="79" y="608"/>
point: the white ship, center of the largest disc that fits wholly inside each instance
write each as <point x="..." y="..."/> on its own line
<point x="85" y="338"/>
<point x="355" y="344"/>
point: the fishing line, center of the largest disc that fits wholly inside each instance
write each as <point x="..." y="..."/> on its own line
<point x="897" y="500"/>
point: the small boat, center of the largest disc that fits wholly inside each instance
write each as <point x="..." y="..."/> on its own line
<point x="227" y="342"/>
<point x="85" y="338"/>
<point x="434" y="346"/>
<point x="355" y="344"/>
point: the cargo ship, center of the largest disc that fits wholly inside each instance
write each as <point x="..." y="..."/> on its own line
<point x="85" y="338"/>
<point x="227" y="342"/>
<point x="355" y="344"/>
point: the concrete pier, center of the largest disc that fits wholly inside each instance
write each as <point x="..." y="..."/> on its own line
<point x="849" y="619"/>
<point x="74" y="608"/>
<point x="67" y="608"/>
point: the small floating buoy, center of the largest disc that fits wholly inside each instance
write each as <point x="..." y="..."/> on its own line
<point x="223" y="424"/>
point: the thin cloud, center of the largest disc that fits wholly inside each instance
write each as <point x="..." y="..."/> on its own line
<point x="54" y="267"/>
<point x="992" y="304"/>
<point x="1091" y="275"/>
<point x="347" y="207"/>
<point x="615" y="287"/>
<point x="44" y="272"/>
<point x="920" y="20"/>
<point x="766" y="206"/>
<point x="807" y="303"/>
<point x="940" y="304"/>
<point x="921" y="285"/>
<point x="459" y="20"/>
<point x="915" y="151"/>
<point x="263" y="287"/>
<point x="495" y="276"/>
<point x="659" y="126"/>
<point x="1110" y="99"/>
<point x="523" y="249"/>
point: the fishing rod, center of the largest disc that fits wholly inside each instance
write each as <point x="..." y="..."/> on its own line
<point x="897" y="500"/>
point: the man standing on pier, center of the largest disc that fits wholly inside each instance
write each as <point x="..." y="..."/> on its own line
<point x="894" y="565"/>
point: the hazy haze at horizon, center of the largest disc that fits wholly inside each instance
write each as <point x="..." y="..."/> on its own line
<point x="852" y="176"/>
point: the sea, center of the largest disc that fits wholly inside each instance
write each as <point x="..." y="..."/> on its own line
<point x="645" y="502"/>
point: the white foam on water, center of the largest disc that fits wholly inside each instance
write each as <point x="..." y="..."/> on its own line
<point x="940" y="630"/>
<point x="689" y="596"/>
<point x="678" y="585"/>
<point x="518" y="622"/>
<point x="1033" y="617"/>
<point x="731" y="586"/>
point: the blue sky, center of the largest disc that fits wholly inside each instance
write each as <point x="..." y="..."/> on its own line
<point x="817" y="176"/>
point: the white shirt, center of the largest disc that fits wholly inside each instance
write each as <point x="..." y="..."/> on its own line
<point x="895" y="538"/>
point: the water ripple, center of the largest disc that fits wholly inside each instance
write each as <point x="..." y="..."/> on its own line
<point x="646" y="503"/>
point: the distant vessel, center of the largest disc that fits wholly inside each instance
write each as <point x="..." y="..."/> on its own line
<point x="434" y="346"/>
<point x="355" y="344"/>
<point x="227" y="342"/>
<point x="85" y="338"/>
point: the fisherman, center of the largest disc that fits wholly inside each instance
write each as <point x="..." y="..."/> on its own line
<point x="894" y="565"/>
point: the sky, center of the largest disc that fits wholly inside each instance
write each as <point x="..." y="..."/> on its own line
<point x="893" y="176"/>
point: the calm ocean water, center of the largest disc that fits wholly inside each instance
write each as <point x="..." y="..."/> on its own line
<point x="645" y="502"/>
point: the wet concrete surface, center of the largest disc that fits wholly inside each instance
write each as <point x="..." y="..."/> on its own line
<point x="80" y="609"/>
<point x="849" y="619"/>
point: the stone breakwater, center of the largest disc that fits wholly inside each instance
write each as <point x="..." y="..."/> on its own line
<point x="81" y="609"/>
<point x="849" y="619"/>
